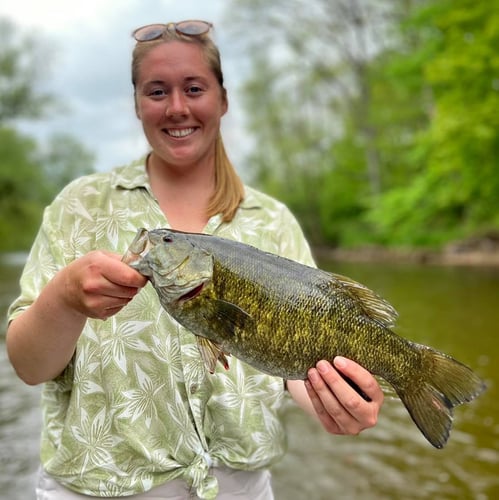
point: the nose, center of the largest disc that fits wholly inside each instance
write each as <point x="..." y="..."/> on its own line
<point x="176" y="104"/>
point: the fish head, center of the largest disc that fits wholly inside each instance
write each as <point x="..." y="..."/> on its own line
<point x="176" y="267"/>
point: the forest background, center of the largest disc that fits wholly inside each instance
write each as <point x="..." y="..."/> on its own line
<point x="376" y="122"/>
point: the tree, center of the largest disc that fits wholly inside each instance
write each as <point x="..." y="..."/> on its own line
<point x="23" y="61"/>
<point x="30" y="174"/>
<point x="376" y="121"/>
<point x="305" y="76"/>
<point x="64" y="159"/>
<point x="456" y="189"/>
<point x="21" y="190"/>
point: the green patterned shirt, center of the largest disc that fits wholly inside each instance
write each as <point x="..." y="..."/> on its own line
<point x="136" y="407"/>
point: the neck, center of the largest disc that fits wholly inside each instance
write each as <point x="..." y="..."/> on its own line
<point x="183" y="194"/>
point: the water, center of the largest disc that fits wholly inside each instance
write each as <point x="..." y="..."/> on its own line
<point x="452" y="309"/>
<point x="19" y="409"/>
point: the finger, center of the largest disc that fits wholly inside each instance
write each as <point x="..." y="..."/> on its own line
<point x="325" y="418"/>
<point x="106" y="302"/>
<point x="110" y="310"/>
<point x="340" y="401"/>
<point x="122" y="282"/>
<point x="120" y="292"/>
<point x="119" y="273"/>
<point x="102" y="292"/>
<point x="117" y="304"/>
<point x="335" y="414"/>
<point x="359" y="379"/>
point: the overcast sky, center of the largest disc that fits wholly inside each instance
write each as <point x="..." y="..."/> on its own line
<point x="90" y="69"/>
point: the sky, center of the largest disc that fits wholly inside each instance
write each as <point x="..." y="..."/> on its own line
<point x="89" y="69"/>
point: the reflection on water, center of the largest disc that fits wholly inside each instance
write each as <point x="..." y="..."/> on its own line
<point x="451" y="309"/>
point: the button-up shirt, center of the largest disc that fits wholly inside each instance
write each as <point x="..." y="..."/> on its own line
<point x="136" y="407"/>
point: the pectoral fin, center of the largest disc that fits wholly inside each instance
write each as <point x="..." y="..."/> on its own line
<point x="211" y="353"/>
<point x="229" y="317"/>
<point x="220" y="320"/>
<point x="216" y="323"/>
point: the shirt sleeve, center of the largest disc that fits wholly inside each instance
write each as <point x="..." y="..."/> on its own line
<point x="46" y="257"/>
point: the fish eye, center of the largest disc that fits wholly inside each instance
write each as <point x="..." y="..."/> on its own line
<point x="167" y="239"/>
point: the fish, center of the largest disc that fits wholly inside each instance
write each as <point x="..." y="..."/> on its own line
<point x="282" y="317"/>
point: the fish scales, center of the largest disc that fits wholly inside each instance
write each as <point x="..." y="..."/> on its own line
<point x="297" y="314"/>
<point x="282" y="317"/>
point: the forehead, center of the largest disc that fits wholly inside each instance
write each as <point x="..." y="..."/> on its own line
<point x="175" y="58"/>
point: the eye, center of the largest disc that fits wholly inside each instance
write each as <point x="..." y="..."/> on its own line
<point x="167" y="239"/>
<point x="157" y="93"/>
<point x="194" y="89"/>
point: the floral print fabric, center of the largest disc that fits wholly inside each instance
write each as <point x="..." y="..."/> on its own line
<point x="136" y="407"/>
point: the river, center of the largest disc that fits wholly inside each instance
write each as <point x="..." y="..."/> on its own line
<point x="454" y="309"/>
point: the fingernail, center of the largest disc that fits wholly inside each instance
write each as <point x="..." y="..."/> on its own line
<point x="340" y="362"/>
<point x="312" y="376"/>
<point x="323" y="366"/>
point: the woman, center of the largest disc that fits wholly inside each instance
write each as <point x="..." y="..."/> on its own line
<point x="128" y="407"/>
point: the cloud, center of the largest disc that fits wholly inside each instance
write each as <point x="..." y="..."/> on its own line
<point x="90" y="71"/>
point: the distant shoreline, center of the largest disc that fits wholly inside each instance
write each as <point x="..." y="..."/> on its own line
<point x="453" y="255"/>
<point x="481" y="251"/>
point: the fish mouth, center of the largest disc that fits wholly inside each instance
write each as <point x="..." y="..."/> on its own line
<point x="138" y="248"/>
<point x="180" y="133"/>
<point x="191" y="294"/>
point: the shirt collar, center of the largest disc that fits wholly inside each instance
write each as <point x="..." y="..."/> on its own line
<point x="131" y="176"/>
<point x="135" y="176"/>
<point x="250" y="200"/>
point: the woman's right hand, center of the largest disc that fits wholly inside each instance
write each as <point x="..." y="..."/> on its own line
<point x="98" y="284"/>
<point x="41" y="341"/>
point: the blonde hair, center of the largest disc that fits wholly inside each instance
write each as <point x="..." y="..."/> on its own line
<point x="229" y="189"/>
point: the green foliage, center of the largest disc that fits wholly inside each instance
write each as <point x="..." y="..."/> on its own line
<point x="457" y="187"/>
<point x="343" y="193"/>
<point x="388" y="109"/>
<point x="30" y="178"/>
<point x="20" y="196"/>
<point x="30" y="174"/>
<point x="64" y="159"/>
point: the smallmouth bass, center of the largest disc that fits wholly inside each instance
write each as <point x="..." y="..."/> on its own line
<point x="282" y="317"/>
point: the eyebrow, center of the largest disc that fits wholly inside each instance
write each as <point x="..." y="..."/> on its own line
<point x="186" y="79"/>
<point x="192" y="78"/>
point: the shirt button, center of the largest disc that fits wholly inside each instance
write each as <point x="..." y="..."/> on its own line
<point x="194" y="388"/>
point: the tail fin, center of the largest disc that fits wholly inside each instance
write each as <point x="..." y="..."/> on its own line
<point x="442" y="384"/>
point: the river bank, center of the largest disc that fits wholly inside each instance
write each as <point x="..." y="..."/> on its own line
<point x="480" y="251"/>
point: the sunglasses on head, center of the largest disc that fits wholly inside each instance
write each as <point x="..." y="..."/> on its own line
<point x="155" y="31"/>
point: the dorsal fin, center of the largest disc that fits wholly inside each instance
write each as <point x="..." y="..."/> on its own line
<point x="371" y="303"/>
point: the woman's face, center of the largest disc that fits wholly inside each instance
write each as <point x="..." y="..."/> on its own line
<point x="180" y="104"/>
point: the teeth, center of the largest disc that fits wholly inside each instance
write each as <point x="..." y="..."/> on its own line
<point x="180" y="133"/>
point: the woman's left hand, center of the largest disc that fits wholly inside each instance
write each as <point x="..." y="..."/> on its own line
<point x="338" y="406"/>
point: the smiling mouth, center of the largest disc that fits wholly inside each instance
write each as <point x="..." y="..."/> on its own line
<point x="179" y="133"/>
